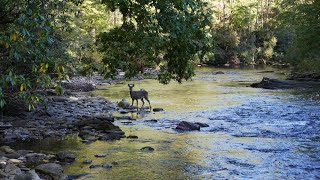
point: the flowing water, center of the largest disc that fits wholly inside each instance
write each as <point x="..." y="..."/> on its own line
<point x="253" y="133"/>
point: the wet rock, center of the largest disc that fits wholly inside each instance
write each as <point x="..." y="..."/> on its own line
<point x="157" y="109"/>
<point x="269" y="83"/>
<point x="35" y="158"/>
<point x="123" y="111"/>
<point x="76" y="176"/>
<point x="123" y="104"/>
<point x="105" y="117"/>
<point x="53" y="170"/>
<point x="11" y="169"/>
<point x="66" y="157"/>
<point x="202" y="124"/>
<point x="7" y="149"/>
<point x="94" y="166"/>
<point x="87" y="161"/>
<point x="125" y="118"/>
<point x="97" y="124"/>
<point x="106" y="165"/>
<point x="152" y="121"/>
<point x="188" y="126"/>
<point x="15" y="161"/>
<point x="132" y="137"/>
<point x="147" y="149"/>
<point x="30" y="175"/>
<point x="100" y="155"/>
<point x="218" y="72"/>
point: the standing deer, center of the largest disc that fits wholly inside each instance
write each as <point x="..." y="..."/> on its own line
<point x="136" y="95"/>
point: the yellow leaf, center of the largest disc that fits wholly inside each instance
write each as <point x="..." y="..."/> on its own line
<point x="21" y="87"/>
<point x="25" y="86"/>
<point x="62" y="69"/>
<point x="7" y="45"/>
<point x="14" y="36"/>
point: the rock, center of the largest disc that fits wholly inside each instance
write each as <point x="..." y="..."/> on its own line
<point x="5" y="126"/>
<point x="66" y="157"/>
<point x="12" y="169"/>
<point x="29" y="175"/>
<point x="15" y="161"/>
<point x="94" y="166"/>
<point x="97" y="124"/>
<point x="152" y="121"/>
<point x="157" y="109"/>
<point x="269" y="83"/>
<point x="123" y="111"/>
<point x="188" y="126"/>
<point x="147" y="148"/>
<point x="7" y="149"/>
<point x="218" y="72"/>
<point x="202" y="124"/>
<point x="106" y="165"/>
<point x="100" y="155"/>
<point x="87" y="161"/>
<point x="105" y="117"/>
<point x="123" y="104"/>
<point x="132" y="137"/>
<point x="53" y="170"/>
<point x="76" y="176"/>
<point x="35" y="158"/>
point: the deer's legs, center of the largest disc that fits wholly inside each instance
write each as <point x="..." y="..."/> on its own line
<point x="132" y="103"/>
<point x="142" y="102"/>
<point x="137" y="105"/>
<point x="149" y="103"/>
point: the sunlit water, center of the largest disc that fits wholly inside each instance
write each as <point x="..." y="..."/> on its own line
<point x="253" y="133"/>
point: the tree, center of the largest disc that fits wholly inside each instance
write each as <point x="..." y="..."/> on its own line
<point x="32" y="48"/>
<point x="302" y="17"/>
<point x="168" y="33"/>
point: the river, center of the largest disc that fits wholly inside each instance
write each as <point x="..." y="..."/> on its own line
<point x="253" y="133"/>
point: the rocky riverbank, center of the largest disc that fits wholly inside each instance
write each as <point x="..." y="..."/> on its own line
<point x="75" y="112"/>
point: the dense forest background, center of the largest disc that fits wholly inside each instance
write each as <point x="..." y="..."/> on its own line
<point x="44" y="42"/>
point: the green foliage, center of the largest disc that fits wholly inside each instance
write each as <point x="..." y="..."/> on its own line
<point x="302" y="17"/>
<point x="32" y="49"/>
<point x="170" y="34"/>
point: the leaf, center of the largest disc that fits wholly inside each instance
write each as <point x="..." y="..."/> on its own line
<point x="13" y="36"/>
<point x="21" y="87"/>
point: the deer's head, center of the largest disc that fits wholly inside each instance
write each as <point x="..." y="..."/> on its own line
<point x="130" y="86"/>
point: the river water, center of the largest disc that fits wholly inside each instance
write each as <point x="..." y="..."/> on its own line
<point x="253" y="133"/>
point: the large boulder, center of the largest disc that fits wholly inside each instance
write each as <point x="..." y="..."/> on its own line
<point x="188" y="126"/>
<point x="55" y="171"/>
<point x="66" y="157"/>
<point x="124" y="104"/>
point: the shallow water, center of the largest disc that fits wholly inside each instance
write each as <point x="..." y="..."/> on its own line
<point x="253" y="133"/>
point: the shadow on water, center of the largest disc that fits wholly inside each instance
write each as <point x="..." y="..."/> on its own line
<point x="253" y="133"/>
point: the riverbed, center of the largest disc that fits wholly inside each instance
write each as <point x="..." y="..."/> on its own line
<point x="253" y="133"/>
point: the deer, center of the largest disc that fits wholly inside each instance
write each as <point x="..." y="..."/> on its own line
<point x="136" y="95"/>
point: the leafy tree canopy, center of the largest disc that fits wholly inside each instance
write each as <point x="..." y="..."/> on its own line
<point x="168" y="33"/>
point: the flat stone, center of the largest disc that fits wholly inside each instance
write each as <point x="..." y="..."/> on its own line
<point x="147" y="148"/>
<point x="202" y="124"/>
<point x="100" y="155"/>
<point x="157" y="109"/>
<point x="87" y="161"/>
<point x="132" y="137"/>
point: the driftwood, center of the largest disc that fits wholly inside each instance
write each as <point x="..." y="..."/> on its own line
<point x="269" y="83"/>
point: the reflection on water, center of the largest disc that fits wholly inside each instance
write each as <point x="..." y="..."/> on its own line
<point x="253" y="133"/>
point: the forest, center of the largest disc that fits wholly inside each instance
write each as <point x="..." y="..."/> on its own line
<point x="44" y="42"/>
